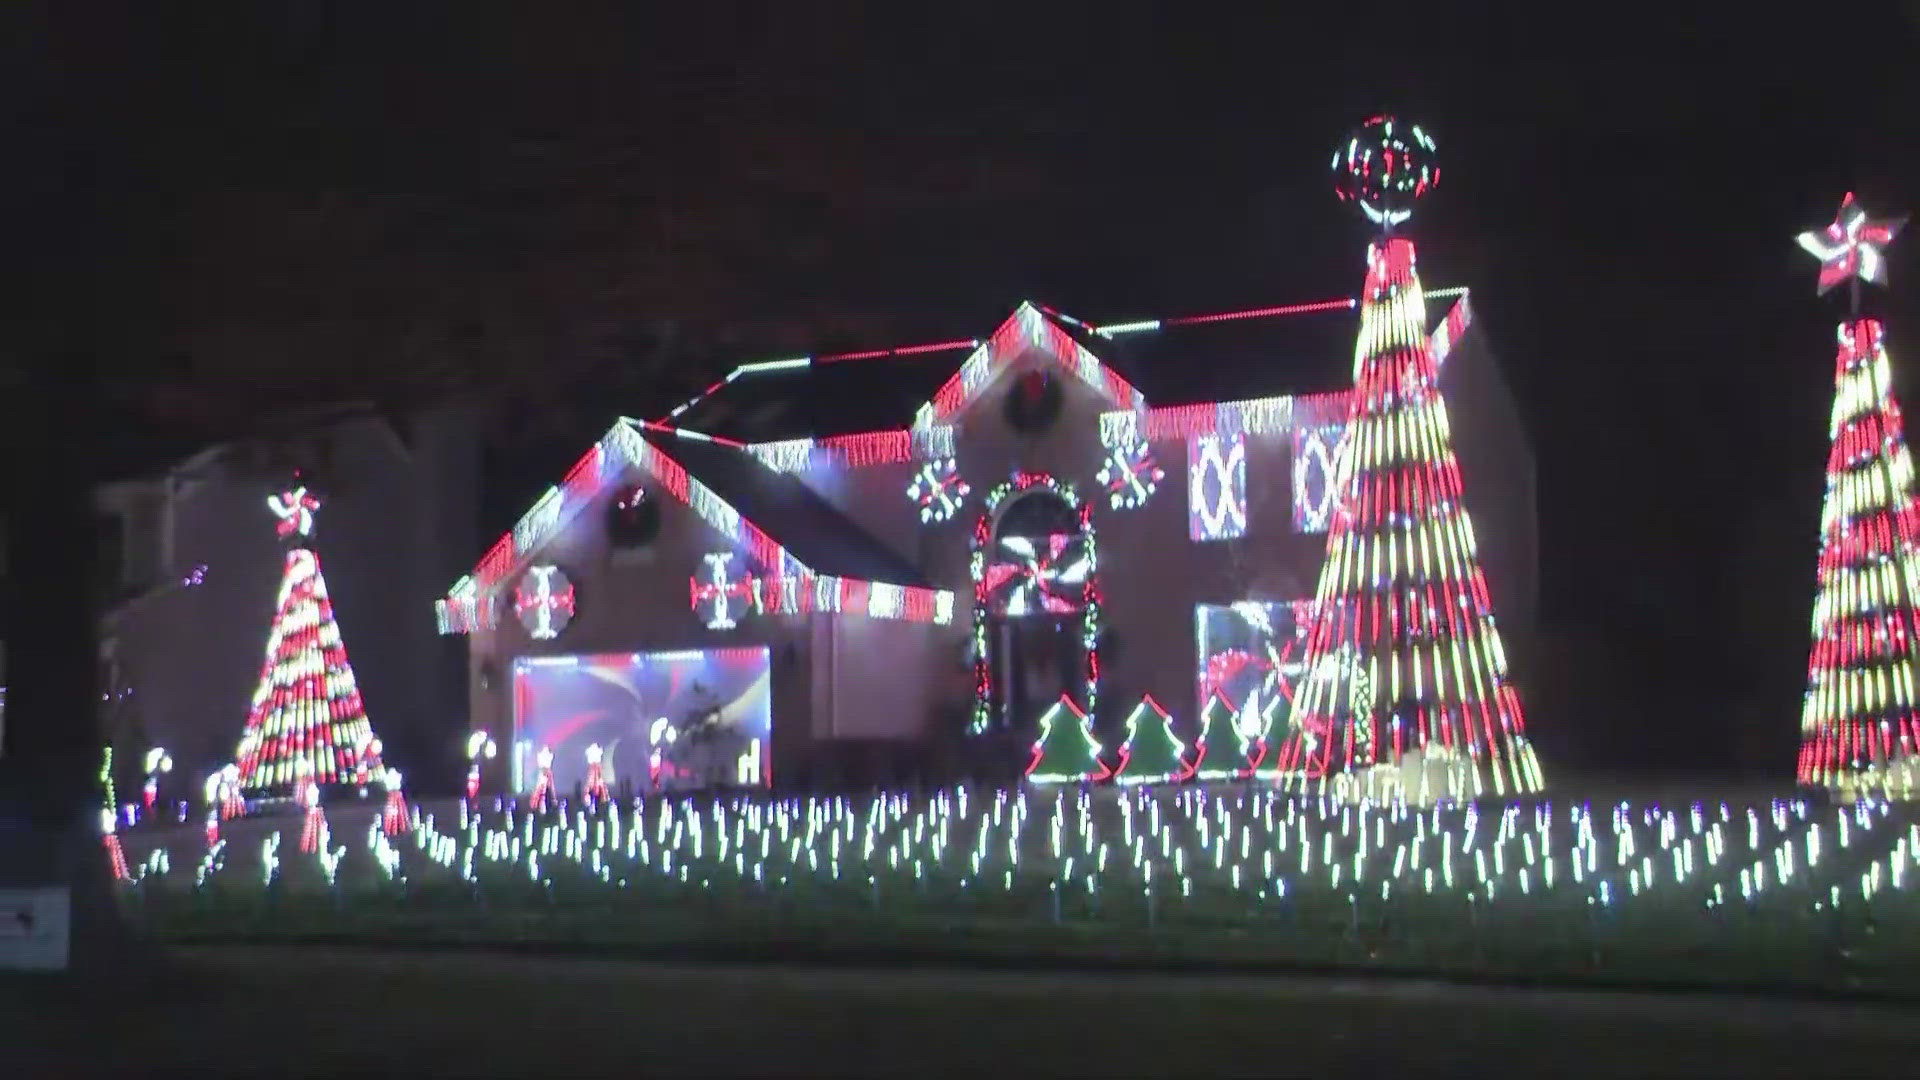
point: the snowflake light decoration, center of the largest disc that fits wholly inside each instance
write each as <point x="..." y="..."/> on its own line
<point x="544" y="602"/>
<point x="1851" y="246"/>
<point x="1131" y="474"/>
<point x="938" y="489"/>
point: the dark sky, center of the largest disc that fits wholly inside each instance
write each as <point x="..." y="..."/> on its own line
<point x="322" y="199"/>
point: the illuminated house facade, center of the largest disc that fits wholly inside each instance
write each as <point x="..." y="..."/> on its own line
<point x="803" y="578"/>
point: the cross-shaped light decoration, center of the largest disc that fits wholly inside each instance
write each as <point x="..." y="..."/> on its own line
<point x="295" y="510"/>
<point x="544" y="602"/>
<point x="719" y="591"/>
<point x="938" y="489"/>
<point x="1851" y="247"/>
<point x="1130" y="474"/>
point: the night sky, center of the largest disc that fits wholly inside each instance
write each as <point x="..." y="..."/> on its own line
<point x="394" y="199"/>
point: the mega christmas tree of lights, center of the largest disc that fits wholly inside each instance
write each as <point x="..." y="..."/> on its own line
<point x="1406" y="693"/>
<point x="307" y="722"/>
<point x="1859" y="732"/>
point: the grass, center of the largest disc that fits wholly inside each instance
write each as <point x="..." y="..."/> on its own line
<point x="647" y="885"/>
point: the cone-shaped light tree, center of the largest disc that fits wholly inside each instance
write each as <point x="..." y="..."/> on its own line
<point x="307" y="723"/>
<point x="1152" y="754"/>
<point x="1066" y="751"/>
<point x="1859" y="732"/>
<point x="1405" y="692"/>
<point x="1221" y="751"/>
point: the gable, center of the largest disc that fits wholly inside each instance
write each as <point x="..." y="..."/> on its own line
<point x="1026" y="329"/>
<point x="794" y="586"/>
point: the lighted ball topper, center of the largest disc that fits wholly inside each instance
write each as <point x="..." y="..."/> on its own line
<point x="1851" y="249"/>
<point x="1385" y="166"/>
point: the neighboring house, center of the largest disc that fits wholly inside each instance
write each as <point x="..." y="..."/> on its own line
<point x="194" y="565"/>
<point x="798" y="579"/>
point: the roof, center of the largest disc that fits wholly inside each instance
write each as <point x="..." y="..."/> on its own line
<point x="1302" y="348"/>
<point x="823" y="538"/>
<point x="745" y="486"/>
<point x="824" y="398"/>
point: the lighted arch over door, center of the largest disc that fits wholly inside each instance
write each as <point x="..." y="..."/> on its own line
<point x="1033" y="555"/>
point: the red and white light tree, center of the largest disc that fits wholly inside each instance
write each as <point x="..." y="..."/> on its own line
<point x="1859" y="731"/>
<point x="1405" y="692"/>
<point x="307" y="721"/>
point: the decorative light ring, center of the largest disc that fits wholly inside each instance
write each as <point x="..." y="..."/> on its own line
<point x="633" y="518"/>
<point x="1130" y="473"/>
<point x="1033" y="402"/>
<point x="938" y="490"/>
<point x="544" y="601"/>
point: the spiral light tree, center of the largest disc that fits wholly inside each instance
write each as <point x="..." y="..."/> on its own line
<point x="1407" y="694"/>
<point x="1858" y="727"/>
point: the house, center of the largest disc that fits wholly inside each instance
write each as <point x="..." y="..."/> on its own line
<point x="876" y="566"/>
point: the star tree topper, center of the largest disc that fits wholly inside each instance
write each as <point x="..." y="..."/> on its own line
<point x="1851" y="246"/>
<point x="295" y="510"/>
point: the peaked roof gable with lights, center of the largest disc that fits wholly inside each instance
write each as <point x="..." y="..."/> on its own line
<point x="644" y="445"/>
<point x="1026" y="328"/>
<point x="793" y="584"/>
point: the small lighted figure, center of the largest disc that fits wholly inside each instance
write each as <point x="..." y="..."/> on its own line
<point x="232" y="805"/>
<point x="159" y="763"/>
<point x="110" y="839"/>
<point x="393" y="816"/>
<point x="480" y="746"/>
<point x="367" y="767"/>
<point x="748" y="767"/>
<point x="210" y="791"/>
<point x="315" y="826"/>
<point x="1251" y="724"/>
<point x="660" y="735"/>
<point x="596" y="786"/>
<point x="543" y="788"/>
